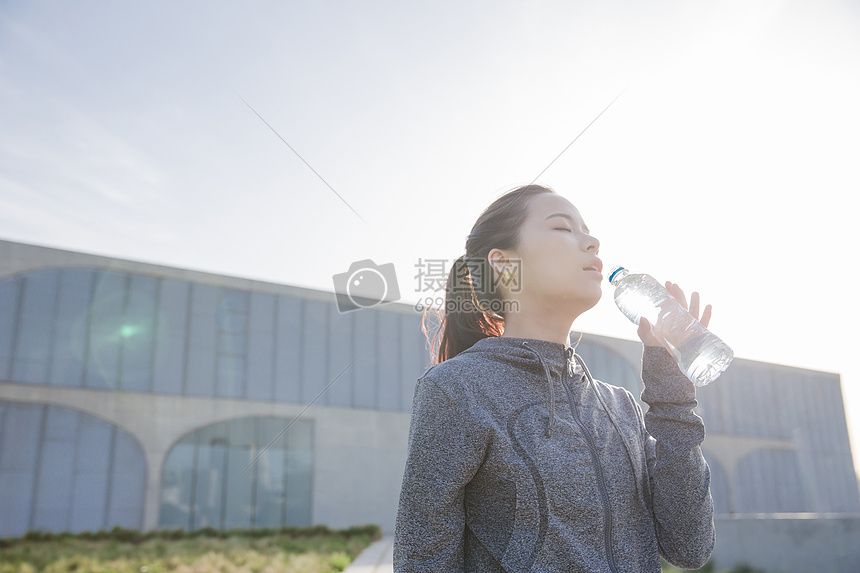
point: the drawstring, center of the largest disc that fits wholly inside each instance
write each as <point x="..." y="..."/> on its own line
<point x="614" y="424"/>
<point x="568" y="352"/>
<point x="525" y="344"/>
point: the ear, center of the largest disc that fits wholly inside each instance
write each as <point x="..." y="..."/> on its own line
<point x="499" y="260"/>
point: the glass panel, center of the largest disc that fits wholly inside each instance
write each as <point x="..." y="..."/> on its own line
<point x="233" y="343"/>
<point x="106" y="312"/>
<point x="760" y="493"/>
<point x="54" y="484"/>
<point x="88" y="502"/>
<point x="54" y="462"/>
<point x="10" y="297"/>
<point x="170" y="337"/>
<point x="270" y="501"/>
<point x="19" y="444"/>
<point x="16" y="498"/>
<point x="128" y="482"/>
<point x="202" y="341"/>
<point x="216" y="433"/>
<point x="230" y="381"/>
<point x="20" y="438"/>
<point x="299" y="474"/>
<point x="288" y="349"/>
<point x="414" y="361"/>
<point x="233" y="301"/>
<point x="70" y="328"/>
<point x="314" y="351"/>
<point x="94" y="446"/>
<point x="227" y="488"/>
<point x="176" y="486"/>
<point x="261" y="347"/>
<point x="238" y="498"/>
<point x="56" y="469"/>
<point x="719" y="485"/>
<point x="388" y="349"/>
<point x="340" y="330"/>
<point x="209" y="485"/>
<point x="62" y="424"/>
<point x="272" y="431"/>
<point x="137" y="332"/>
<point x="33" y="346"/>
<point x="92" y="466"/>
<point x="243" y="432"/>
<point x="365" y="368"/>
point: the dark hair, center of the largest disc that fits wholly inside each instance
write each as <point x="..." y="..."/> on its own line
<point x="473" y="306"/>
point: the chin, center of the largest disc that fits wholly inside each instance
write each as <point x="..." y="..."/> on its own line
<point x="580" y="301"/>
<point x="590" y="298"/>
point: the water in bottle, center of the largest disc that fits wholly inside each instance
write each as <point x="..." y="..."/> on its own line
<point x="700" y="354"/>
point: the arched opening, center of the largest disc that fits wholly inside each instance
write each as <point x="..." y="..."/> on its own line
<point x="245" y="472"/>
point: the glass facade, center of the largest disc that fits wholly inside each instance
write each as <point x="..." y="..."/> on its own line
<point x="63" y="470"/>
<point x="104" y="329"/>
<point x="247" y="473"/>
<point x="606" y="365"/>
<point x="804" y="410"/>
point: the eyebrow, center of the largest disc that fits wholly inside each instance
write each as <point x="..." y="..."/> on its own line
<point x="565" y="215"/>
<point x="569" y="218"/>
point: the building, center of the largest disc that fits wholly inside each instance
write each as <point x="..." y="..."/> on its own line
<point x="143" y="396"/>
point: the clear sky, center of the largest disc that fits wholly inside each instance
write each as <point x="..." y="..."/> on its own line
<point x="729" y="164"/>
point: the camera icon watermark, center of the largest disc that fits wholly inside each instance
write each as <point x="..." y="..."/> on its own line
<point x="365" y="285"/>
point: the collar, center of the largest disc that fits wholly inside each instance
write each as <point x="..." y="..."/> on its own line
<point x="556" y="360"/>
<point x="556" y="357"/>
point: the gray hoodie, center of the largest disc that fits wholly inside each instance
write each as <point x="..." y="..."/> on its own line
<point x="520" y="461"/>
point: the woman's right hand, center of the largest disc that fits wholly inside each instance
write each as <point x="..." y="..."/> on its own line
<point x="646" y="332"/>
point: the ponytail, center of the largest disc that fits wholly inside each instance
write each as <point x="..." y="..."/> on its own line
<point x="471" y="301"/>
<point x="467" y="317"/>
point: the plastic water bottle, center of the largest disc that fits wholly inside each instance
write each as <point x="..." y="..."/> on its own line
<point x="701" y="355"/>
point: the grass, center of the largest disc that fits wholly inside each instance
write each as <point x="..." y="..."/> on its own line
<point x="306" y="550"/>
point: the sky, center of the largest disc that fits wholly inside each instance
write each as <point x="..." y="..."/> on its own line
<point x="284" y="141"/>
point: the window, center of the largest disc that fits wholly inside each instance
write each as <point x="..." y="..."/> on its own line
<point x="63" y="470"/>
<point x="220" y="476"/>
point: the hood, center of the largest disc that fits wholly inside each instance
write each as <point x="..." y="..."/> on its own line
<point x="554" y="359"/>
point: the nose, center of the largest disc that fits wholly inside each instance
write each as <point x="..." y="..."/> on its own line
<point x="592" y="244"/>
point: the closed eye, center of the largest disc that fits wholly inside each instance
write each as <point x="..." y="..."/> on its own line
<point x="564" y="229"/>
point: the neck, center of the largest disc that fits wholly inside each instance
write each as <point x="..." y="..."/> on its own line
<point x="546" y="325"/>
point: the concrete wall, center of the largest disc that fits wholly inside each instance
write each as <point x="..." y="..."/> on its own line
<point x="794" y="543"/>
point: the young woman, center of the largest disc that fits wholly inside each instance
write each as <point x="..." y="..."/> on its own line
<point x="518" y="459"/>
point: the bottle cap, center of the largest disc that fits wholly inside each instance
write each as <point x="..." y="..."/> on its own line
<point x="615" y="270"/>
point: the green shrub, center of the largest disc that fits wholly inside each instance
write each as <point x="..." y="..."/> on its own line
<point x="339" y="561"/>
<point x="316" y="549"/>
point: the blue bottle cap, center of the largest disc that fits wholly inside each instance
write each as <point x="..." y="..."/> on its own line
<point x="615" y="270"/>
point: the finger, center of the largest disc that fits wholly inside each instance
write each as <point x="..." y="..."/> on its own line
<point x="644" y="328"/>
<point x="694" y="304"/>
<point x="675" y="290"/>
<point x="706" y="316"/>
<point x="646" y="335"/>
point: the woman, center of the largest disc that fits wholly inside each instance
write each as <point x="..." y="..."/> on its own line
<point x="518" y="459"/>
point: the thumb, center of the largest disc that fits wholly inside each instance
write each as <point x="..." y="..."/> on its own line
<point x="644" y="328"/>
<point x="646" y="335"/>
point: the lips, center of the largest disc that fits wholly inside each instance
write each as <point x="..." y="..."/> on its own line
<point x="595" y="265"/>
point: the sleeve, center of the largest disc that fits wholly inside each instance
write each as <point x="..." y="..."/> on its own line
<point x="678" y="473"/>
<point x="445" y="450"/>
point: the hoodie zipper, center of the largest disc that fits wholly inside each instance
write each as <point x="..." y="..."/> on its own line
<point x="601" y="484"/>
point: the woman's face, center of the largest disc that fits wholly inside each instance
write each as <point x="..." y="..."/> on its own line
<point x="559" y="264"/>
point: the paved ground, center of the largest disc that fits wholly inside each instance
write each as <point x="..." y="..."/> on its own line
<point x="377" y="558"/>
